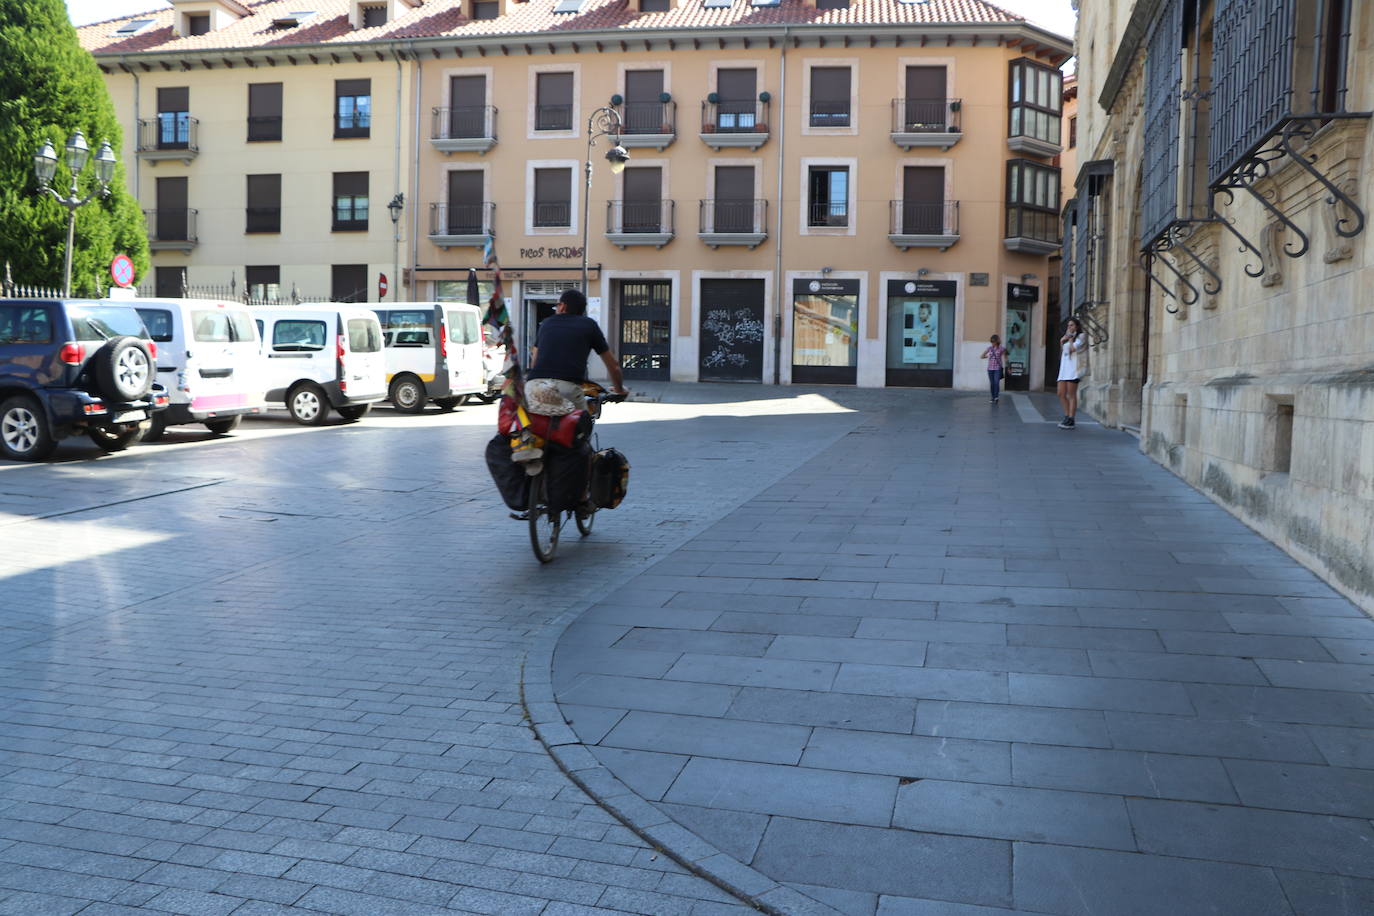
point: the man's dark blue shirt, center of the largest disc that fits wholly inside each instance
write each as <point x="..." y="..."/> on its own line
<point x="565" y="342"/>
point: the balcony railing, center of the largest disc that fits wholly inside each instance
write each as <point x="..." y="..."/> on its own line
<point x="827" y="213"/>
<point x="825" y="113"/>
<point x="926" y="122"/>
<point x="648" y="124"/>
<point x="639" y="222"/>
<point x="733" y="222"/>
<point x="730" y="123"/>
<point x="552" y="215"/>
<point x="553" y="117"/>
<point x="461" y="225"/>
<point x="171" y="135"/>
<point x="465" y="129"/>
<point x="923" y="224"/>
<point x="263" y="219"/>
<point x="264" y="127"/>
<point x="171" y="228"/>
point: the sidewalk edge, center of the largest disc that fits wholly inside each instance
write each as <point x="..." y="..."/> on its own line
<point x="661" y="832"/>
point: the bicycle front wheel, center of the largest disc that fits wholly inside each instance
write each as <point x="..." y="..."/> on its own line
<point x="544" y="521"/>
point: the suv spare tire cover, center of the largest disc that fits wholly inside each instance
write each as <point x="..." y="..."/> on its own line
<point x="123" y="369"/>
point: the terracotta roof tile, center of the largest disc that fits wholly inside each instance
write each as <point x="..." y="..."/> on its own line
<point x="445" y="17"/>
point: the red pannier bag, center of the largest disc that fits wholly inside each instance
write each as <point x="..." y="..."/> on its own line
<point x="567" y="431"/>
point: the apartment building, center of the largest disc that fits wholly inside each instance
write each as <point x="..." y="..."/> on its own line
<point x="823" y="191"/>
<point x="1218" y="239"/>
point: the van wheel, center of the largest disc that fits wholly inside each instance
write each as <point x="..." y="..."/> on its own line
<point x="447" y="404"/>
<point x="354" y="411"/>
<point x="114" y="440"/>
<point x="223" y="426"/>
<point x="24" y="431"/>
<point x="408" y="394"/>
<point x="157" y="428"/>
<point x="307" y="405"/>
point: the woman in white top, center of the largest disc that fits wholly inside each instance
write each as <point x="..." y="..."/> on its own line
<point x="1070" y="346"/>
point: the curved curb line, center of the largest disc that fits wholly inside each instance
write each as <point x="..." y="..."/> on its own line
<point x="661" y="832"/>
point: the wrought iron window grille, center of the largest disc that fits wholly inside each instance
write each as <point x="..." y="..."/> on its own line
<point x="1258" y="116"/>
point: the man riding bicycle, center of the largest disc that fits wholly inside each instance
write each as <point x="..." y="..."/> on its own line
<point x="565" y="341"/>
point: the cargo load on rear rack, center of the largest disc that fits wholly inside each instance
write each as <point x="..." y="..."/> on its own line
<point x="510" y="477"/>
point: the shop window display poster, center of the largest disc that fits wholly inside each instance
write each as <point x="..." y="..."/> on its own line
<point x="920" y="333"/>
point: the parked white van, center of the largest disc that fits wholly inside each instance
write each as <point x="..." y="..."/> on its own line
<point x="210" y="360"/>
<point x="433" y="353"/>
<point x="320" y="356"/>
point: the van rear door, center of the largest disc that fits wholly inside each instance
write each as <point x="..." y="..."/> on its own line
<point x="362" y="363"/>
<point x="465" y="365"/>
<point x="216" y="372"/>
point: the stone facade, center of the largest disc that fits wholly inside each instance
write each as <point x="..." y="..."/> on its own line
<point x="1247" y="362"/>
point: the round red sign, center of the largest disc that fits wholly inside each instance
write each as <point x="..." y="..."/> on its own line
<point x="122" y="270"/>
<point x="381" y="286"/>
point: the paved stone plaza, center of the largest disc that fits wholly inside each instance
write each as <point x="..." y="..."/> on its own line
<point x="873" y="652"/>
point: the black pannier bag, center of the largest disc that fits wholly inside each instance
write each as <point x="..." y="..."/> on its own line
<point x="510" y="477"/>
<point x="610" y="478"/>
<point x="565" y="470"/>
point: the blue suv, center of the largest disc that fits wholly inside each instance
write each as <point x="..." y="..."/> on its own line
<point x="72" y="366"/>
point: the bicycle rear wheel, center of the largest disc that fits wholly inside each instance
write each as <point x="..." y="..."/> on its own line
<point x="584" y="521"/>
<point x="544" y="522"/>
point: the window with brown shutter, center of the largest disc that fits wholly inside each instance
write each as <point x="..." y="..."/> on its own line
<point x="733" y="207"/>
<point x="737" y="89"/>
<point x="830" y="96"/>
<point x="467" y="106"/>
<point x="348" y="282"/>
<point x="923" y="200"/>
<point x="264" y="203"/>
<point x="350" y="201"/>
<point x="553" y="106"/>
<point x="352" y="108"/>
<point x="925" y="104"/>
<point x="263" y="282"/>
<point x="552" y="198"/>
<point x="643" y="203"/>
<point x="465" y="202"/>
<point x="169" y="282"/>
<point x="643" y="112"/>
<point x="264" y="111"/>
<point x="173" y="117"/>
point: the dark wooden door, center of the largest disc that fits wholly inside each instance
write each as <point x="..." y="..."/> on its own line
<point x="643" y="110"/>
<point x="171" y="209"/>
<point x="465" y="203"/>
<point x="923" y="199"/>
<point x="734" y="201"/>
<point x="732" y="324"/>
<point x="467" y="106"/>
<point x="645" y="328"/>
<point x="643" y="199"/>
<point x="925" y="99"/>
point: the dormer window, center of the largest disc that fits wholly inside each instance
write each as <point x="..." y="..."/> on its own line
<point x="370" y="14"/>
<point x="198" y="24"/>
<point x="292" y="19"/>
<point x="486" y="9"/>
<point x="133" y="27"/>
<point x="655" y="6"/>
<point x="374" y="16"/>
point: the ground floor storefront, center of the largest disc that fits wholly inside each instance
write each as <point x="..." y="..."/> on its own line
<point x="830" y="326"/>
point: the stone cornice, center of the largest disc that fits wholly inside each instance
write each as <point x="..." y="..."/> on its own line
<point x="1131" y="40"/>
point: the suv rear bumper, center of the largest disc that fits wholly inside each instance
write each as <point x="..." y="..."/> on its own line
<point x="73" y="409"/>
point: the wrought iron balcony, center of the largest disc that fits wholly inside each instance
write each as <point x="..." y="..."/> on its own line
<point x="821" y="214"/>
<point x="826" y="113"/>
<point x="552" y="214"/>
<point x="171" y="135"/>
<point x="926" y="122"/>
<point x="264" y="128"/>
<point x="553" y="117"/>
<point x="171" y="229"/>
<point x="468" y="129"/>
<point x="648" y="124"/>
<point x="727" y="123"/>
<point x="921" y="224"/>
<point x="639" y="222"/>
<point x="461" y="225"/>
<point x="263" y="219"/>
<point x="733" y="222"/>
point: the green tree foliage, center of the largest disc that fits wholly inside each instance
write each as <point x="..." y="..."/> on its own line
<point x="49" y="87"/>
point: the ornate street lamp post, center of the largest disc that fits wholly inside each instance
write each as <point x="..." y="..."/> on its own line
<point x="45" y="167"/>
<point x="604" y="122"/>
<point x="396" y="206"/>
